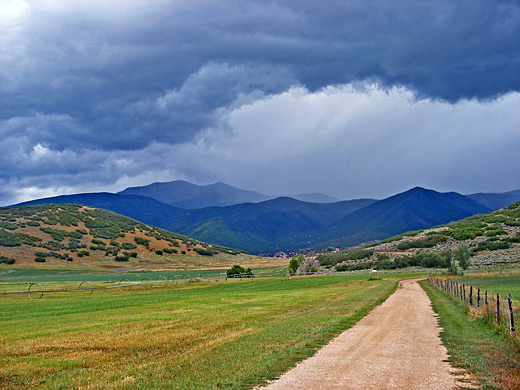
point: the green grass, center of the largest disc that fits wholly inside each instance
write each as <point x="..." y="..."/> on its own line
<point x="502" y="284"/>
<point x="225" y="335"/>
<point x="474" y="346"/>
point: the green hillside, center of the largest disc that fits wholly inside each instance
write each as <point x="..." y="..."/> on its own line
<point x="489" y="239"/>
<point x="61" y="234"/>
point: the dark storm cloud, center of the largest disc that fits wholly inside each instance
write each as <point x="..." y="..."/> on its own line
<point x="85" y="78"/>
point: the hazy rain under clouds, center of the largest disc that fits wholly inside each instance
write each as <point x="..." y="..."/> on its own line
<point x="348" y="98"/>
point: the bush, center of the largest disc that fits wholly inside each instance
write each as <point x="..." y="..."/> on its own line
<point x="335" y="258"/>
<point x="8" y="239"/>
<point x="121" y="258"/>
<point x="429" y="242"/>
<point x="7" y="260"/>
<point x="239" y="270"/>
<point x="496" y="232"/>
<point x="358" y="254"/>
<point x="159" y="252"/>
<point x="128" y="245"/>
<point x="463" y="256"/>
<point x="205" y="252"/>
<point x="293" y="265"/>
<point x="492" y="245"/>
<point x="82" y="253"/>
<point x="40" y="259"/>
<point x="142" y="241"/>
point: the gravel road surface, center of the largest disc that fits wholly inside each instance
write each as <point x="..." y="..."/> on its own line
<point x="396" y="346"/>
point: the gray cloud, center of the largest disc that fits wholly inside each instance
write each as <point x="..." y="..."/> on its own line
<point x="93" y="86"/>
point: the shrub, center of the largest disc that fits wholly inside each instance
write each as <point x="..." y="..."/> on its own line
<point x="128" y="245"/>
<point x="40" y="259"/>
<point x="463" y="256"/>
<point x="492" y="245"/>
<point x="142" y="241"/>
<point x="7" y="260"/>
<point x="82" y="253"/>
<point x="159" y="252"/>
<point x="8" y="239"/>
<point x="121" y="258"/>
<point x="205" y="252"/>
<point x="239" y="270"/>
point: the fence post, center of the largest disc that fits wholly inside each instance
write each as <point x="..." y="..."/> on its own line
<point x="498" y="309"/>
<point x="470" y="295"/>
<point x="478" y="297"/>
<point x="485" y="298"/>
<point x="464" y="292"/>
<point x="511" y="318"/>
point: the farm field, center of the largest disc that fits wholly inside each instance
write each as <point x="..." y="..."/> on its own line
<point x="502" y="284"/>
<point x="233" y="334"/>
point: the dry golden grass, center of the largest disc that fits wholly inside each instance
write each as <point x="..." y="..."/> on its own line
<point x="231" y="334"/>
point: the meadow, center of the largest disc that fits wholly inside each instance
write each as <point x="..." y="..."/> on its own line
<point x="199" y="334"/>
<point x="503" y="284"/>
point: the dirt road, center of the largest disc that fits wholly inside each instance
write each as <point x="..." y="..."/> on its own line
<point x="396" y="346"/>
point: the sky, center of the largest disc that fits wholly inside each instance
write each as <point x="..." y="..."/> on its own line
<point x="348" y="98"/>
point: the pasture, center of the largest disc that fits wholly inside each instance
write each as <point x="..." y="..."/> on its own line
<point x="199" y="334"/>
<point x="502" y="284"/>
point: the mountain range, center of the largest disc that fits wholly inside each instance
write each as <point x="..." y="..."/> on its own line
<point x="247" y="220"/>
<point x="186" y="195"/>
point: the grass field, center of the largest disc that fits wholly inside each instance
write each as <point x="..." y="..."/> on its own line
<point x="502" y="284"/>
<point x="227" y="335"/>
<point x="474" y="345"/>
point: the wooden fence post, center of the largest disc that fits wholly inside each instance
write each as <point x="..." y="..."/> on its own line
<point x="463" y="292"/>
<point x="485" y="298"/>
<point x="478" y="297"/>
<point x="511" y="318"/>
<point x="498" y="309"/>
<point x="470" y="295"/>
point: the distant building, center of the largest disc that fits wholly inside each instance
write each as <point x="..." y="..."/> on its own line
<point x="280" y="255"/>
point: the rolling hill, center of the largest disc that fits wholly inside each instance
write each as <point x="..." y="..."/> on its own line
<point x="261" y="227"/>
<point x="284" y="223"/>
<point x="490" y="239"/>
<point x="290" y="225"/>
<point x="60" y="234"/>
<point x="190" y="196"/>
<point x="141" y="208"/>
<point x="414" y="209"/>
<point x="495" y="201"/>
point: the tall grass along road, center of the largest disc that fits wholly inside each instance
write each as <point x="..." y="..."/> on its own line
<point x="396" y="346"/>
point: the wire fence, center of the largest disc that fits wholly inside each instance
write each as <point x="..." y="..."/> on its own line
<point x="496" y="309"/>
<point x="36" y="290"/>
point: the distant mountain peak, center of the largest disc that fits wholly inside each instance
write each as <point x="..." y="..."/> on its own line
<point x="187" y="195"/>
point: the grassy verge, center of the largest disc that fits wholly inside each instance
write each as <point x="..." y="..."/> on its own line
<point x="474" y="346"/>
<point x="225" y="335"/>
